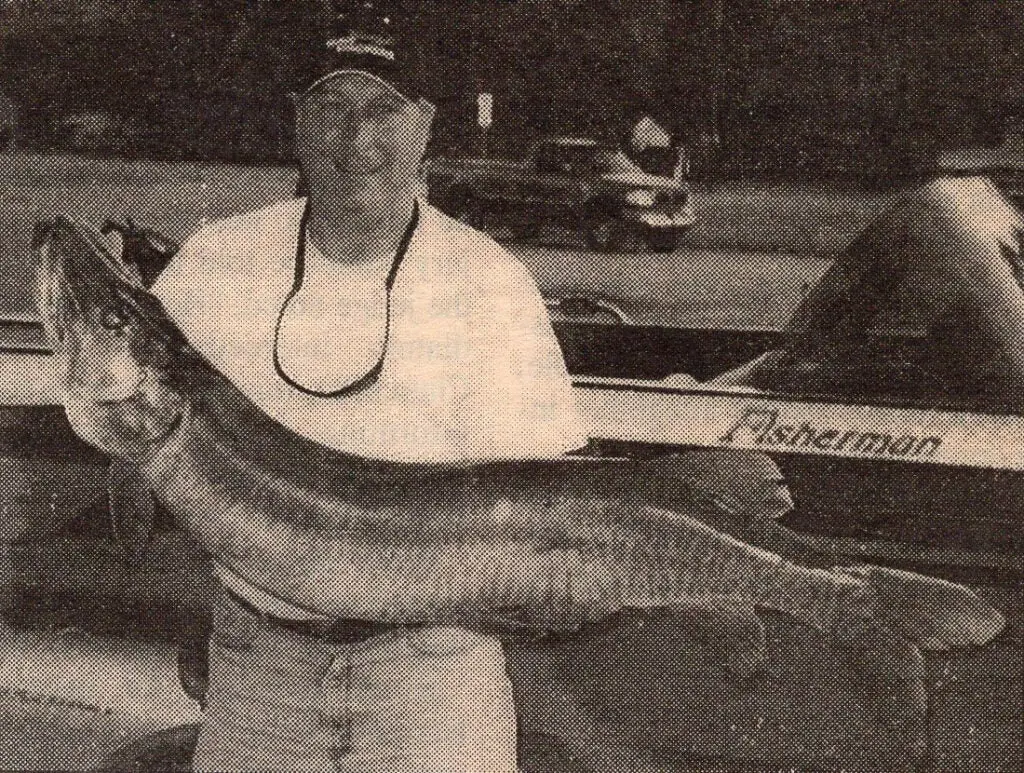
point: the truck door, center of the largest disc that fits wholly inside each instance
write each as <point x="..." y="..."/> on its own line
<point x="556" y="178"/>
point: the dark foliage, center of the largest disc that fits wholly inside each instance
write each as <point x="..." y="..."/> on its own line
<point x="759" y="83"/>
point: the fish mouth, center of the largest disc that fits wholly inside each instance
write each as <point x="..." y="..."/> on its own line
<point x="129" y="428"/>
<point x="162" y="428"/>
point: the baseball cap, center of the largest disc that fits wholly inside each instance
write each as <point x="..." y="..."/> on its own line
<point x="363" y="40"/>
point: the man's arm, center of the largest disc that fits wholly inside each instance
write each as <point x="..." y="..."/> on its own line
<point x="515" y="396"/>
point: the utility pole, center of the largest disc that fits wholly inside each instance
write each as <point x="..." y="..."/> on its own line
<point x="707" y="18"/>
<point x="717" y="15"/>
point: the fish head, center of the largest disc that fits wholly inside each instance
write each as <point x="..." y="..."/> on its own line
<point x="112" y="341"/>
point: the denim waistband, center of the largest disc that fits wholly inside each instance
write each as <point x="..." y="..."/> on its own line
<point x="335" y="631"/>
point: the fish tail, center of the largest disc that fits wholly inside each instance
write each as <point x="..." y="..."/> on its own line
<point x="707" y="564"/>
<point x="820" y="598"/>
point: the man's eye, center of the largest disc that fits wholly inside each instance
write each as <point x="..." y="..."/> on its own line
<point x="380" y="111"/>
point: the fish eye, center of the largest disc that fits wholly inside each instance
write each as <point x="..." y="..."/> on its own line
<point x="113" y="318"/>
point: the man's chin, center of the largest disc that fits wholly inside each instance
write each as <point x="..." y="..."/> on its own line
<point x="359" y="199"/>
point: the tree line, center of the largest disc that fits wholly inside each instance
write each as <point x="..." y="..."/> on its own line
<point x="762" y="82"/>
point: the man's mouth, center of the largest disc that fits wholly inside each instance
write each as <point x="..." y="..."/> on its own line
<point x="355" y="170"/>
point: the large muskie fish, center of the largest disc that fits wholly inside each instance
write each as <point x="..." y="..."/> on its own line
<point x="543" y="544"/>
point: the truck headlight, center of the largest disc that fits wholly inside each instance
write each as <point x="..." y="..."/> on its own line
<point x="640" y="198"/>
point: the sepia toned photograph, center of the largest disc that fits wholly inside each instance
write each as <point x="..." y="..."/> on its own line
<point x="512" y="386"/>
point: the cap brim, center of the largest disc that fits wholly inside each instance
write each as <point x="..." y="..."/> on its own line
<point x="335" y="74"/>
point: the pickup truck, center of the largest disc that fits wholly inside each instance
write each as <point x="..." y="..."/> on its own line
<point x="575" y="183"/>
<point x="1003" y="164"/>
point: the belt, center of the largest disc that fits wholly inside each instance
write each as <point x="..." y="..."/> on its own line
<point x="344" y="630"/>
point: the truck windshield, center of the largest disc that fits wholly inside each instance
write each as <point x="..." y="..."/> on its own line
<point x="595" y="158"/>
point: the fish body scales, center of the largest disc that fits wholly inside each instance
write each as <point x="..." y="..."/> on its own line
<point x="596" y="570"/>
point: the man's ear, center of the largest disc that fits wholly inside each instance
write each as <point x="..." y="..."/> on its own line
<point x="428" y="110"/>
<point x="425" y="124"/>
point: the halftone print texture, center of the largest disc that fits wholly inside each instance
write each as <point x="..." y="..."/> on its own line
<point x="492" y="386"/>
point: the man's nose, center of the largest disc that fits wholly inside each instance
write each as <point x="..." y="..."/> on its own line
<point x="352" y="133"/>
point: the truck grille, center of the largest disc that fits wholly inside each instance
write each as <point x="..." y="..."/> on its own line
<point x="670" y="198"/>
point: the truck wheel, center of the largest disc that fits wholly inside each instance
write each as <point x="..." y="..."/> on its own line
<point x="604" y="233"/>
<point x="663" y="239"/>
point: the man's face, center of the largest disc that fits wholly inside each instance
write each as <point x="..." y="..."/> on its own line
<point x="360" y="144"/>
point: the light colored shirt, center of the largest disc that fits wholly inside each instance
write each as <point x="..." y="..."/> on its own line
<point x="472" y="371"/>
<point x="329" y="339"/>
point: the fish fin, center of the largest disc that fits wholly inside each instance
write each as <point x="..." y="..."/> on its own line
<point x="733" y="630"/>
<point x="739" y="492"/>
<point x="890" y="670"/>
<point x="729" y="628"/>
<point x="132" y="509"/>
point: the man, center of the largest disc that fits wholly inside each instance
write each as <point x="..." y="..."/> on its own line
<point x="366" y="320"/>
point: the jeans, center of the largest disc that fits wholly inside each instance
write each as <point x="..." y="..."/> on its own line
<point x="412" y="700"/>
